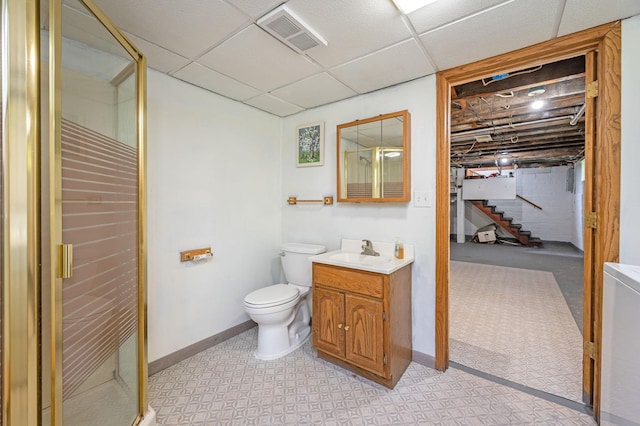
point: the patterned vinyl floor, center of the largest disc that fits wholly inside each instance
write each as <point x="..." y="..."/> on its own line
<point x="515" y="324"/>
<point x="226" y="385"/>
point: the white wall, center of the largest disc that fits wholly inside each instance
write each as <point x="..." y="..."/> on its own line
<point x="315" y="223"/>
<point x="577" y="238"/>
<point x="199" y="198"/>
<point x="630" y="173"/>
<point x="546" y="187"/>
<point x="213" y="180"/>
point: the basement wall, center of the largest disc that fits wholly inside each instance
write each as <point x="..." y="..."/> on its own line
<point x="214" y="181"/>
<point x="546" y="187"/>
<point x="577" y="238"/>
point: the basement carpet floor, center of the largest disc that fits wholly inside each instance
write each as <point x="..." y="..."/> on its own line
<point x="515" y="324"/>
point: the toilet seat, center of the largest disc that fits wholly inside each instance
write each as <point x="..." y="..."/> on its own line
<point x="273" y="295"/>
<point x="303" y="290"/>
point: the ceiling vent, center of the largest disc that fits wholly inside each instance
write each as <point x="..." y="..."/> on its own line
<point x="287" y="27"/>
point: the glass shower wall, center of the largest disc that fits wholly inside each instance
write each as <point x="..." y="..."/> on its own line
<point x="100" y="219"/>
<point x="1" y="251"/>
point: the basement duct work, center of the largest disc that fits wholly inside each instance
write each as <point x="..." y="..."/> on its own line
<point x="290" y="29"/>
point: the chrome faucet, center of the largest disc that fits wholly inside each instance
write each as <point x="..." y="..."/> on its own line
<point x="367" y="249"/>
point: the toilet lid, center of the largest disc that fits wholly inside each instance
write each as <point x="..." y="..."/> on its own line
<point x="272" y="295"/>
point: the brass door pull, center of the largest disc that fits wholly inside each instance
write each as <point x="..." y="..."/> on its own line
<point x="66" y="260"/>
<point x="346" y="328"/>
<point x="339" y="325"/>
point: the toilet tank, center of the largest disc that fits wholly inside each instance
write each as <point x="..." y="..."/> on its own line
<point x="296" y="264"/>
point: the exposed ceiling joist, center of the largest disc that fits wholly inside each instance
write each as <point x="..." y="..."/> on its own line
<point x="522" y="79"/>
<point x="495" y="120"/>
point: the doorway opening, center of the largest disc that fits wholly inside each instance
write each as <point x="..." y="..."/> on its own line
<point x="601" y="48"/>
<point x="516" y="284"/>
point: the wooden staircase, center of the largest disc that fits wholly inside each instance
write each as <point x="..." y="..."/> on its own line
<point x="514" y="229"/>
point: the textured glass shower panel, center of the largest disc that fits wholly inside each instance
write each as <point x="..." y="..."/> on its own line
<point x="1" y="255"/>
<point x="100" y="219"/>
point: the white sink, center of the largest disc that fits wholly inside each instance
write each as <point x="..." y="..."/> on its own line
<point x="349" y="257"/>
<point x="360" y="259"/>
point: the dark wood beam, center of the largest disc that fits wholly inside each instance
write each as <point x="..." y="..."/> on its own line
<point x="481" y="114"/>
<point x="556" y="71"/>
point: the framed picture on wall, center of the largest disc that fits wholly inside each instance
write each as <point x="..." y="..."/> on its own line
<point x="310" y="145"/>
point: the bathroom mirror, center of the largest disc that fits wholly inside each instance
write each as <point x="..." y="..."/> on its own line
<point x="374" y="159"/>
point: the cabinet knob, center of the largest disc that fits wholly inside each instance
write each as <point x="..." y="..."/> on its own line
<point x="346" y="328"/>
<point x="339" y="325"/>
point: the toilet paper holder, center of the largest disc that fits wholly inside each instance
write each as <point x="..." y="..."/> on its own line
<point x="195" y="254"/>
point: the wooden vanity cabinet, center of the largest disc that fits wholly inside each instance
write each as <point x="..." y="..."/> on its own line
<point x="362" y="320"/>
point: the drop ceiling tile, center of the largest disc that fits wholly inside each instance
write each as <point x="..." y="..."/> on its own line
<point x="256" y="8"/>
<point x="71" y="3"/>
<point x="441" y="13"/>
<point x="403" y="62"/>
<point x="351" y="28"/>
<point x="86" y="30"/>
<point x="259" y="60"/>
<point x="582" y="14"/>
<point x="185" y="27"/>
<point x="158" y="58"/>
<point x="273" y="105"/>
<point x="206" y="78"/>
<point x="502" y="29"/>
<point x="88" y="60"/>
<point x="313" y="91"/>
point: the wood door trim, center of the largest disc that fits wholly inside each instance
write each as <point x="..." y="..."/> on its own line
<point x="589" y="233"/>
<point x="605" y="39"/>
<point x="607" y="181"/>
<point x="551" y="51"/>
<point x="443" y="148"/>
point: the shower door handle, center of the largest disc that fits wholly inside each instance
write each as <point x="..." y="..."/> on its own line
<point x="66" y="260"/>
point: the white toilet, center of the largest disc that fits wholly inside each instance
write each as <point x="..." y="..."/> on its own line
<point x="283" y="311"/>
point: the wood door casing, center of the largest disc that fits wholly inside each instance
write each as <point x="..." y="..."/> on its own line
<point x="328" y="321"/>
<point x="607" y="181"/>
<point x="591" y="74"/>
<point x="604" y="39"/>
<point x="364" y="332"/>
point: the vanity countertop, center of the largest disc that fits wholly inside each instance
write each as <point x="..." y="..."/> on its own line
<point x="349" y="257"/>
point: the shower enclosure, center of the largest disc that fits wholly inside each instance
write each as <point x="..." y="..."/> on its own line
<point x="80" y="231"/>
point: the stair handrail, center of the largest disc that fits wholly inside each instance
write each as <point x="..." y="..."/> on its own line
<point x="530" y="202"/>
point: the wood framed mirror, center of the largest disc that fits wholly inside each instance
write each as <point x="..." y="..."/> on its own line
<point x="374" y="159"/>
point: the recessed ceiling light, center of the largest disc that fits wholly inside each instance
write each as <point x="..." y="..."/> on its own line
<point x="408" y="6"/>
<point x="537" y="104"/>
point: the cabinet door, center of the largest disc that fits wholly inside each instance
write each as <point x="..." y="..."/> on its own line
<point x="328" y="321"/>
<point x="364" y="334"/>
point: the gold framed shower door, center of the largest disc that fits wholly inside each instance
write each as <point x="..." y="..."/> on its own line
<point x="23" y="244"/>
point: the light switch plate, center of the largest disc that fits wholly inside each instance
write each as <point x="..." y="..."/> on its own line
<point x="422" y="199"/>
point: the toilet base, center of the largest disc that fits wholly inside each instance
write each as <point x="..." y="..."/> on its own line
<point x="298" y="341"/>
